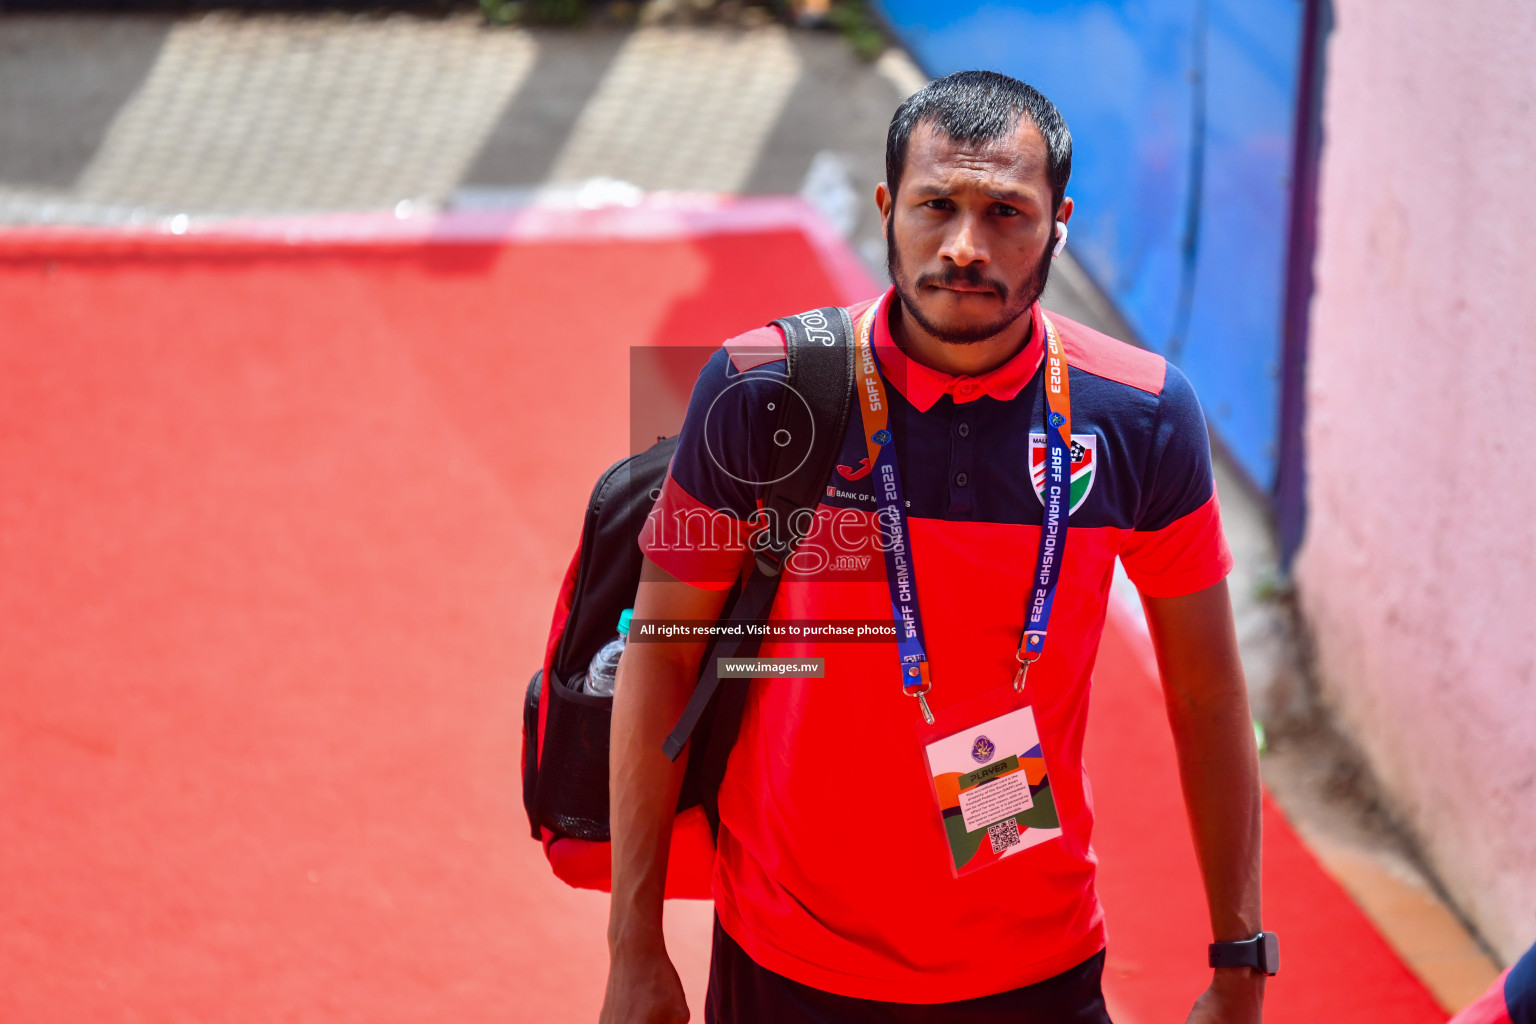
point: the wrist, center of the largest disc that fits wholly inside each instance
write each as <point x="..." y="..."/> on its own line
<point x="1238" y="992"/>
<point x="634" y="915"/>
<point x="1260" y="954"/>
<point x="632" y="938"/>
<point x="1237" y="978"/>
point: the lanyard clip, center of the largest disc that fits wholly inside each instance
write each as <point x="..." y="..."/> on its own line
<point x="1029" y="650"/>
<point x="1018" y="677"/>
<point x="917" y="683"/>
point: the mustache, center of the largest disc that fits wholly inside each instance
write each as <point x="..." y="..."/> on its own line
<point x="969" y="276"/>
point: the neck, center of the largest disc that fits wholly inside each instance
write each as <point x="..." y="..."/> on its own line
<point x="968" y="359"/>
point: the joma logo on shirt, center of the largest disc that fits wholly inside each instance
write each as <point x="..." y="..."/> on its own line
<point x="855" y="473"/>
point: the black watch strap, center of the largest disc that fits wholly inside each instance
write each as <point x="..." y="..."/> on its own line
<point x="1261" y="953"/>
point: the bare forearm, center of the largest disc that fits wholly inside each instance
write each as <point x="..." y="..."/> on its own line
<point x="652" y="687"/>
<point x="1212" y="729"/>
<point x="1219" y="773"/>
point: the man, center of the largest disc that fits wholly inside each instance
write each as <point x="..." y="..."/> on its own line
<point x="851" y="881"/>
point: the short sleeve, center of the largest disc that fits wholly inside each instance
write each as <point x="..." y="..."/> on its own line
<point x="1177" y="545"/>
<point x="699" y="528"/>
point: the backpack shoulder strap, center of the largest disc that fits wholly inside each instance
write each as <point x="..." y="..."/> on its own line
<point x="818" y="397"/>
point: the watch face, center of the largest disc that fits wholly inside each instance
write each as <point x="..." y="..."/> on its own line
<point x="1269" y="953"/>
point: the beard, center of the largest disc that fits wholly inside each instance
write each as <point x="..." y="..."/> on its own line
<point x="1022" y="297"/>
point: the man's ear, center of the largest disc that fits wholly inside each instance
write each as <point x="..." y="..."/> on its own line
<point x="1064" y="214"/>
<point x="884" y="199"/>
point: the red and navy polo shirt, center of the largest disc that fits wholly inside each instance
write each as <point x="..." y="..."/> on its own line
<point x="832" y="866"/>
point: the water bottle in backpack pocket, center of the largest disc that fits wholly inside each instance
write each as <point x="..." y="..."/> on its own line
<point x="600" y="676"/>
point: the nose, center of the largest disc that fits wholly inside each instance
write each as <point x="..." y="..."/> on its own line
<point x="964" y="247"/>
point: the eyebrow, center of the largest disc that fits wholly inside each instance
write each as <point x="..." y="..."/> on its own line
<point x="1001" y="195"/>
<point x="1009" y="196"/>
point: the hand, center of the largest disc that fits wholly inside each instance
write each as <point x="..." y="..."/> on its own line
<point x="1236" y="996"/>
<point x="643" y="988"/>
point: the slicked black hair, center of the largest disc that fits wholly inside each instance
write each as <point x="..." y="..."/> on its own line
<point x="975" y="107"/>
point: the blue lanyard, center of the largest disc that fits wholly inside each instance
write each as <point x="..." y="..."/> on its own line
<point x="891" y="512"/>
<point x="1057" y="500"/>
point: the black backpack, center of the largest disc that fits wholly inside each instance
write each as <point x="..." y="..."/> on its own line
<point x="565" y="730"/>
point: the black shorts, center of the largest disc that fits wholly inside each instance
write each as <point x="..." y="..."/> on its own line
<point x="741" y="992"/>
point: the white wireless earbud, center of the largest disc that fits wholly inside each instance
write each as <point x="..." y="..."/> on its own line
<point x="1061" y="238"/>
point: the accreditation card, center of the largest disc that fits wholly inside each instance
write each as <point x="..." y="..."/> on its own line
<point x="989" y="780"/>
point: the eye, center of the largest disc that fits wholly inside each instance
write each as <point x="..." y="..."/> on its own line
<point x="1004" y="210"/>
<point x="939" y="204"/>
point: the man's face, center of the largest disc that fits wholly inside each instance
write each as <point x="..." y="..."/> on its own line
<point x="969" y="236"/>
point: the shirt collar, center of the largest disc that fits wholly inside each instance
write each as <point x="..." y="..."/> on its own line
<point x="923" y="386"/>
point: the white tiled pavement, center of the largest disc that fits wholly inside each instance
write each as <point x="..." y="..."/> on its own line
<point x="683" y="108"/>
<point x="255" y="115"/>
<point x="246" y="114"/>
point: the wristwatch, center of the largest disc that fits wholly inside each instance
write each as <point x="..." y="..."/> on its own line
<point x="1262" y="953"/>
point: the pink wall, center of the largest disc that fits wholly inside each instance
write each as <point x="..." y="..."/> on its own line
<point x="1418" y="574"/>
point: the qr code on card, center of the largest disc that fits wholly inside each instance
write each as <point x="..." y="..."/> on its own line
<point x="1003" y="835"/>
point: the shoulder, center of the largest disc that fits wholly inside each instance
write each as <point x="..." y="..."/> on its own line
<point x="739" y="384"/>
<point x="764" y="345"/>
<point x="755" y="348"/>
<point x="1099" y="354"/>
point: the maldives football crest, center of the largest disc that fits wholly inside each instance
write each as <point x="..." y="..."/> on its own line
<point x="1085" y="465"/>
